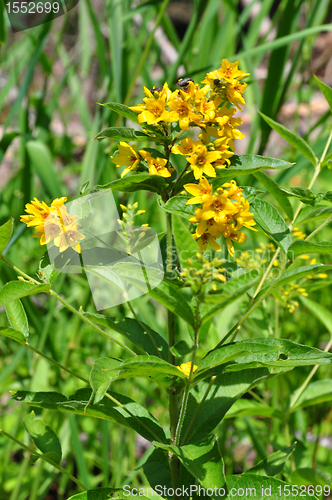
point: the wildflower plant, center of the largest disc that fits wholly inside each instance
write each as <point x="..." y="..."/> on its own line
<point x="191" y="168"/>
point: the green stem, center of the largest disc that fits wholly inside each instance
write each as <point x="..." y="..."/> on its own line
<point x="307" y="380"/>
<point x="197" y="410"/>
<point x="46" y="459"/>
<point x="37" y="351"/>
<point x="90" y="323"/>
<point x="325" y="223"/>
<point x="17" y="270"/>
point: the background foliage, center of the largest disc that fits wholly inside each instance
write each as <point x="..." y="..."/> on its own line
<point x="51" y="78"/>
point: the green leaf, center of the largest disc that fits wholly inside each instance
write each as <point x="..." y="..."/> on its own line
<point x="247" y="164"/>
<point x="203" y="461"/>
<point x="229" y="352"/>
<point x="13" y="334"/>
<point x="136" y="182"/>
<point x="276" y="192"/>
<point x="304" y="194"/>
<point x="145" y="339"/>
<point x="96" y="494"/>
<point x="321" y="313"/>
<point x="181" y="349"/>
<point x="293" y="139"/>
<point x="177" y="205"/>
<point x="17" y="289"/>
<point x="138" y="417"/>
<point x="250" y="407"/>
<point x="107" y="370"/>
<point x="121" y="109"/>
<point x="47" y="273"/>
<point x="263" y="487"/>
<point x="130" y="134"/>
<point x="6" y="141"/>
<point x="17" y="317"/>
<point x="42" y="161"/>
<point x="186" y="246"/>
<point x="44" y="438"/>
<point x="327" y="91"/>
<point x="318" y="213"/>
<point x="206" y="410"/>
<point x="273" y="464"/>
<point x="315" y="393"/>
<point x="301" y="247"/>
<point x="299" y="272"/>
<point x="307" y="477"/>
<point x="6" y="230"/>
<point x="168" y="296"/>
<point x="272" y="223"/>
<point x="231" y="291"/>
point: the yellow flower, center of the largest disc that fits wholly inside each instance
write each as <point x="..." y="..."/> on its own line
<point x="205" y="240"/>
<point x="234" y="93"/>
<point x="201" y="191"/>
<point x="184" y="113"/>
<point x="53" y="224"/>
<point x="222" y="146"/>
<point x="236" y="236"/>
<point x="157" y="166"/>
<point x="186" y="367"/>
<point x="245" y="218"/>
<point x="154" y="109"/>
<point x="219" y="208"/>
<point x="186" y="147"/>
<point x="127" y="157"/>
<point x="201" y="161"/>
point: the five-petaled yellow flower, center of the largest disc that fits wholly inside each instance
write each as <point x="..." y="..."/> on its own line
<point x="186" y="367"/>
<point x="127" y="157"/>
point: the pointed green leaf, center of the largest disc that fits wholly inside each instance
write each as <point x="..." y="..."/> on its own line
<point x="305" y="195"/>
<point x="125" y="111"/>
<point x="293" y="139"/>
<point x="263" y="487"/>
<point x="17" y="317"/>
<point x="236" y="287"/>
<point x="318" y="213"/>
<point x="326" y="89"/>
<point x="13" y="334"/>
<point x="204" y="462"/>
<point x="145" y="339"/>
<point x="273" y="464"/>
<point x="97" y="494"/>
<point x="317" y="392"/>
<point x="106" y="370"/>
<point x="17" y="289"/>
<point x="186" y="246"/>
<point x="308" y="477"/>
<point x="43" y="436"/>
<point x="250" y="407"/>
<point x="302" y="247"/>
<point x="129" y="414"/>
<point x="177" y="205"/>
<point x="298" y="273"/>
<point x="6" y="230"/>
<point x="135" y="182"/>
<point x="247" y="164"/>
<point x="167" y="295"/>
<point x="272" y="223"/>
<point x="276" y="192"/>
<point x="130" y="134"/>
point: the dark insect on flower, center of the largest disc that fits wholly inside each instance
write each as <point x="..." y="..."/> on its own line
<point x="217" y="81"/>
<point x="156" y="89"/>
<point x="184" y="82"/>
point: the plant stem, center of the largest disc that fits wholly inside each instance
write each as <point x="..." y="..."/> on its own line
<point x="307" y="380"/>
<point x="16" y="269"/>
<point x="325" y="223"/>
<point x="198" y="409"/>
<point x="173" y="397"/>
<point x="90" y="323"/>
<point x="37" y="351"/>
<point x="43" y="457"/>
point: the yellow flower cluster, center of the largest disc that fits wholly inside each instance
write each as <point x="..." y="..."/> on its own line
<point x="206" y="107"/>
<point x="223" y="213"/>
<point x="53" y="224"/>
<point x="288" y="295"/>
